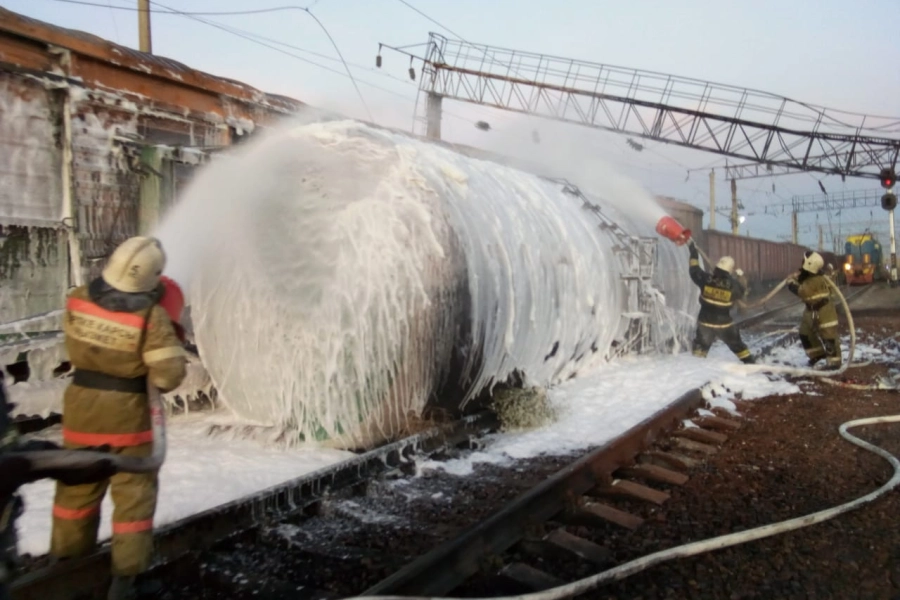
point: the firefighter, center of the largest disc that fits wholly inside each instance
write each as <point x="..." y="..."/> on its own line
<point x="119" y="339"/>
<point x="819" y="324"/>
<point x="718" y="291"/>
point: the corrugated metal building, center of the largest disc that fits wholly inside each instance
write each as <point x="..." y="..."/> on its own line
<point x="95" y="140"/>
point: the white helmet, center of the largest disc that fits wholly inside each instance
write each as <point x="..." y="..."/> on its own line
<point x="726" y="263"/>
<point x="136" y="265"/>
<point x="813" y="262"/>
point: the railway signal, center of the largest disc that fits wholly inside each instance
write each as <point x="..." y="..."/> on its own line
<point x="889" y="201"/>
<point x="888" y="178"/>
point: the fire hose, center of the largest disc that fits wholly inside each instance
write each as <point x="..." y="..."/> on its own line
<point x="74" y="459"/>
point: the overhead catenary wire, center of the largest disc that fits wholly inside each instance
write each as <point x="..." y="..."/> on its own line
<point x="172" y="11"/>
<point x="267" y="41"/>
<point x="321" y="26"/>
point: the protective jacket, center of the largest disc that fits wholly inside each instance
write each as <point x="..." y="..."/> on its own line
<point x="813" y="290"/>
<point x="819" y="324"/>
<point x="718" y="291"/>
<point x="117" y="342"/>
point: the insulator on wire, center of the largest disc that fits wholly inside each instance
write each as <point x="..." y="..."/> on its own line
<point x="412" y="71"/>
<point x="378" y="61"/>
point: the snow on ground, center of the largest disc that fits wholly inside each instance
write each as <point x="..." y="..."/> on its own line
<point x="200" y="473"/>
<point x="596" y="408"/>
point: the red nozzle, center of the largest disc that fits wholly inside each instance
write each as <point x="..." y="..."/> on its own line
<point x="173" y="303"/>
<point x="672" y="229"/>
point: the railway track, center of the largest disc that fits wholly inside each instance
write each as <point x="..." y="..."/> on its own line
<point x="380" y="541"/>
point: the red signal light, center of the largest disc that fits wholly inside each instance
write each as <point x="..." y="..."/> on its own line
<point x="888" y="178"/>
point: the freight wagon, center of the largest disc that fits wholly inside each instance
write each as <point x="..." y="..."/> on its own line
<point x="863" y="263"/>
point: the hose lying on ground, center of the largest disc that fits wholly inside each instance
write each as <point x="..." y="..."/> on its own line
<point x="76" y="459"/>
<point x="733" y="539"/>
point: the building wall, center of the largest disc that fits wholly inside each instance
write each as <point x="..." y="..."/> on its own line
<point x="33" y="255"/>
<point x="123" y="106"/>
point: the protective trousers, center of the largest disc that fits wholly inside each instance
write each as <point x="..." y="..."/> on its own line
<point x="707" y="335"/>
<point x="76" y="517"/>
<point x="819" y="335"/>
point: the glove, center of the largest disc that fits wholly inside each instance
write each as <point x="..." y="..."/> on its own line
<point x="693" y="249"/>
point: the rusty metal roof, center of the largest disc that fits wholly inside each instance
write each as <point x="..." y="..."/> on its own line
<point x="160" y="66"/>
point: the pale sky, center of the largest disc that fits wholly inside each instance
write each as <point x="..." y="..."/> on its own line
<point x="835" y="53"/>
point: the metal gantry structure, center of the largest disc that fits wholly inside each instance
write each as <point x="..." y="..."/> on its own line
<point x="824" y="203"/>
<point x="772" y="131"/>
<point x="775" y="135"/>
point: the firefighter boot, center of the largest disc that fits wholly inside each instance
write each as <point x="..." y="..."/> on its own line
<point x="833" y="355"/>
<point x="122" y="588"/>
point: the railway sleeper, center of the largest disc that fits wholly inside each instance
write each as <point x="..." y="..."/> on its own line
<point x="672" y="460"/>
<point x="559" y="543"/>
<point x="622" y="488"/>
<point x="717" y="423"/>
<point x="698" y="434"/>
<point x="596" y="514"/>
<point x="692" y="446"/>
<point x="527" y="578"/>
<point x="654" y="473"/>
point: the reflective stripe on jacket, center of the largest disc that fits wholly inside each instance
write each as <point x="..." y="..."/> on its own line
<point x="718" y="291"/>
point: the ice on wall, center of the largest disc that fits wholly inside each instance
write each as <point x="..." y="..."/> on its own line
<point x="340" y="276"/>
<point x="30" y="156"/>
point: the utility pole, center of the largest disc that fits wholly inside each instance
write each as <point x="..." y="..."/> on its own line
<point x="794" y="227"/>
<point x="821" y="238"/>
<point x="734" y="208"/>
<point x="144" y="26"/>
<point x="712" y="199"/>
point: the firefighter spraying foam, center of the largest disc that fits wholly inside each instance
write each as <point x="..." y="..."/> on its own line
<point x="718" y="293"/>
<point x="120" y="338"/>
<point x="819" y="324"/>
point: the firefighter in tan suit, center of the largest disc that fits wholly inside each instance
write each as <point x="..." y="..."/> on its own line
<point x="119" y="340"/>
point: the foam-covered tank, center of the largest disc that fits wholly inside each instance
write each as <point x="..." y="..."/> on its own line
<point x="343" y="276"/>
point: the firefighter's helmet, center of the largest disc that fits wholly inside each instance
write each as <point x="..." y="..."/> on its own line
<point x="136" y="265"/>
<point x="726" y="263"/>
<point x="813" y="262"/>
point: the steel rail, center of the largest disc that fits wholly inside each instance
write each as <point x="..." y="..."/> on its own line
<point x="451" y="563"/>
